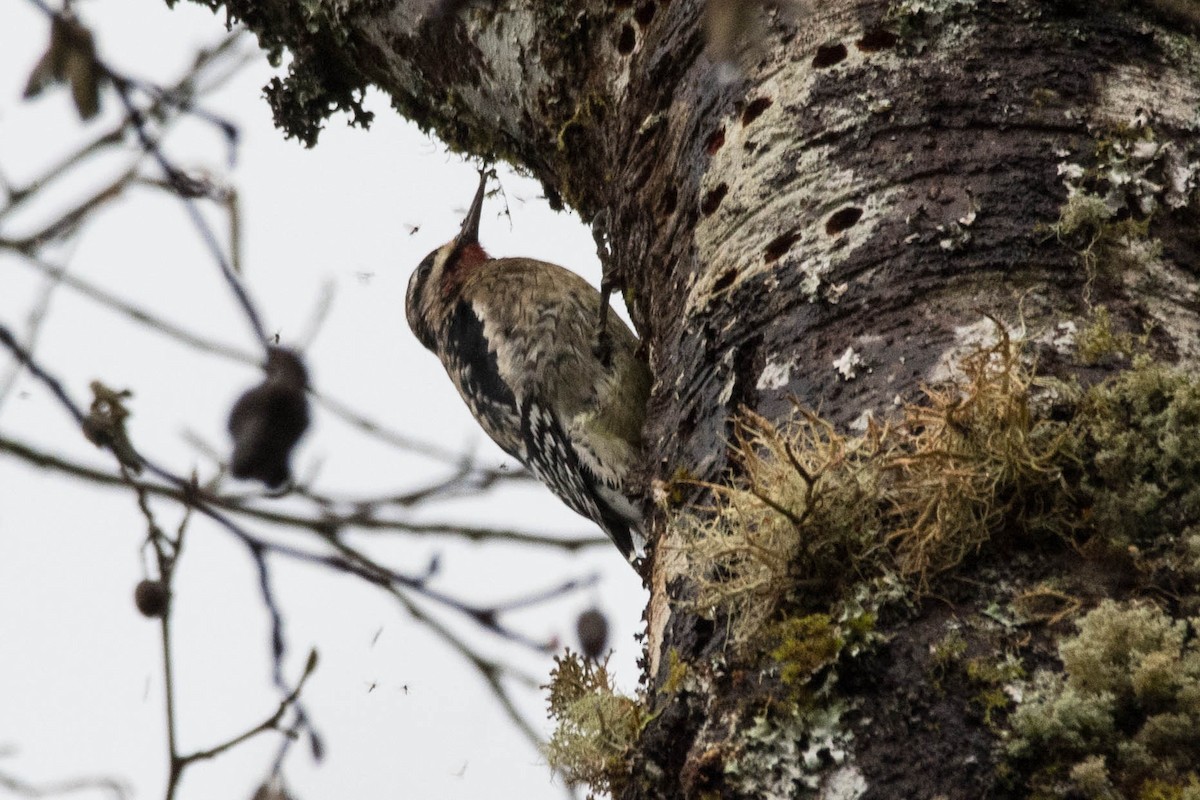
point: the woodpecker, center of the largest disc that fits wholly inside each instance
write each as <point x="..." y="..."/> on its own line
<point x="519" y="339"/>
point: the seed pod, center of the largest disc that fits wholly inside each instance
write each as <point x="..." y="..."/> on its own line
<point x="151" y="598"/>
<point x="273" y="789"/>
<point x="592" y="627"/>
<point x="268" y="420"/>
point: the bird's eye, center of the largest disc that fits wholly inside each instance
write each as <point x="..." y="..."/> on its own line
<point x="416" y="284"/>
<point x="427" y="263"/>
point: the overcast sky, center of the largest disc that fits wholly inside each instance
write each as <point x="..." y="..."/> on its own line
<point x="80" y="673"/>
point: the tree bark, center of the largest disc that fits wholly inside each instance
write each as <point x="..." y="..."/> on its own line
<point x="835" y="226"/>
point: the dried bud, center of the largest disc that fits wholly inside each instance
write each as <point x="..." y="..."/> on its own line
<point x="273" y="789"/>
<point x="151" y="598"/>
<point x="104" y="425"/>
<point x="268" y="420"/>
<point x="592" y="627"/>
<point x="70" y="57"/>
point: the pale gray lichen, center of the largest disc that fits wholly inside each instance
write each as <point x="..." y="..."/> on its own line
<point x="790" y="755"/>
<point x="847" y="364"/>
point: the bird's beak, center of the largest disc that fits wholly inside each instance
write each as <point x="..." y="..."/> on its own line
<point x="470" y="227"/>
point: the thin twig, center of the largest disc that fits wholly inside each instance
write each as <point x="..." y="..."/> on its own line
<point x="71" y="219"/>
<point x="124" y="87"/>
<point x="205" y="344"/>
<point x="151" y="320"/>
<point x="26" y="789"/>
<point x="323" y="524"/>
<point x="271" y="723"/>
<point x="349" y="559"/>
<point x="150" y="145"/>
<point x="187" y="85"/>
<point x="36" y="317"/>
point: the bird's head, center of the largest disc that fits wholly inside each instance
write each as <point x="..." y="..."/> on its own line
<point x="434" y="284"/>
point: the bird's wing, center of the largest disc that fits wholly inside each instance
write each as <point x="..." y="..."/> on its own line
<point x="557" y="460"/>
<point x="474" y="369"/>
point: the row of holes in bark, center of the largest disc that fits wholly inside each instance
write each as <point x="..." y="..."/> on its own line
<point x="826" y="56"/>
<point x="753" y="111"/>
<point x="839" y="221"/>
<point x="872" y="41"/>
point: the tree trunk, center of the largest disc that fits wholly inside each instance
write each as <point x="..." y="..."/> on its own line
<point x="880" y="188"/>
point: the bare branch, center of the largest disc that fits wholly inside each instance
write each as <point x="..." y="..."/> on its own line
<point x="271" y="723"/>
<point x="176" y="97"/>
<point x="36" y="317"/>
<point x="26" y="789"/>
<point x="205" y="344"/>
<point x="179" y="179"/>
<point x="149" y="319"/>
<point x="69" y="221"/>
<point x="323" y="524"/>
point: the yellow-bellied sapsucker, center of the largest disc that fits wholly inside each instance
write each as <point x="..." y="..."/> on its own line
<point x="519" y="339"/>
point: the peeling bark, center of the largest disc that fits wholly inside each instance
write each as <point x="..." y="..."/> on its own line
<point x="832" y="227"/>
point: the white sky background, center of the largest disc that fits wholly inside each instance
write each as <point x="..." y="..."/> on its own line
<point x="80" y="673"/>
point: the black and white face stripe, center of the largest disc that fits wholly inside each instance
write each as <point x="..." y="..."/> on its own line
<point x="414" y="304"/>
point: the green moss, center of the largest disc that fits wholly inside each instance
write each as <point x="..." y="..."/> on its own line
<point x="802" y="647"/>
<point x="677" y="673"/>
<point x="860" y="627"/>
<point x="1139" y="434"/>
<point x="993" y="677"/>
<point x="989" y="702"/>
<point x="1098" y="342"/>
<point x="995" y="672"/>
<point x="1165" y="790"/>
<point x="947" y="654"/>
<point x="1125" y="713"/>
<point x="990" y="677"/>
